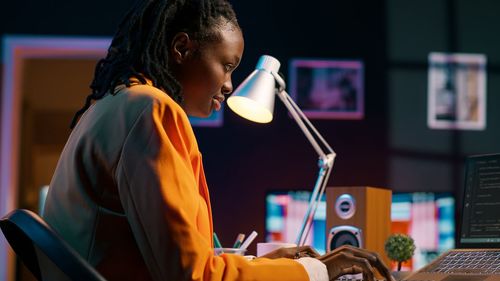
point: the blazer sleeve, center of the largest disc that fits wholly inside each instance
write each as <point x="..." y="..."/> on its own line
<point x="159" y="192"/>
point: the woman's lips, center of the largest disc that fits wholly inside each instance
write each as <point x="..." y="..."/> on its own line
<point x="217" y="101"/>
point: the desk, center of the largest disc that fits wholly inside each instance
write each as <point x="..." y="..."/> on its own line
<point x="398" y="275"/>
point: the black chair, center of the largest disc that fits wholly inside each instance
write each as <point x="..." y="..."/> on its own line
<point x="42" y="250"/>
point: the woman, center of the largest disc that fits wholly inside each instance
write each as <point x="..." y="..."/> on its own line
<point x="129" y="191"/>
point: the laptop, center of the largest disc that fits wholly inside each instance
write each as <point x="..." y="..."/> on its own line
<point x="477" y="257"/>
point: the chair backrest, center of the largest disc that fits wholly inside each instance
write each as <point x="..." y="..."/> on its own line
<point x="40" y="247"/>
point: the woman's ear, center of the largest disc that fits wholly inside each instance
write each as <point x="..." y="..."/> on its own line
<point x="181" y="47"/>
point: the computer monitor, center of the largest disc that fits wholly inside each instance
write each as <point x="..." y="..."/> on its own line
<point x="427" y="217"/>
<point x="480" y="219"/>
<point x="285" y="212"/>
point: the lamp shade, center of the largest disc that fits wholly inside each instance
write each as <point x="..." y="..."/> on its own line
<point x="254" y="97"/>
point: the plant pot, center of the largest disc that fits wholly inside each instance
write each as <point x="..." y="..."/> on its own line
<point x="400" y="275"/>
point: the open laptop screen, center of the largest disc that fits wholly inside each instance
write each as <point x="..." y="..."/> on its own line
<point x="481" y="205"/>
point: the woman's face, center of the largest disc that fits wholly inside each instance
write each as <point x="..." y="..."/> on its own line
<point x="205" y="71"/>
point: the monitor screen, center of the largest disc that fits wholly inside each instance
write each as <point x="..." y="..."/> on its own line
<point x="481" y="215"/>
<point x="415" y="214"/>
<point x="429" y="218"/>
<point x="284" y="216"/>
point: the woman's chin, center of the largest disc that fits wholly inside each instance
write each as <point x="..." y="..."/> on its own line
<point x="200" y="114"/>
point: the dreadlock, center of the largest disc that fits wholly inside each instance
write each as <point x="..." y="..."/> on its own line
<point x="140" y="47"/>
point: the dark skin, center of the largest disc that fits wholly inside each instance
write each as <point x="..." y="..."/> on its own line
<point x="293" y="252"/>
<point x="341" y="261"/>
<point x="204" y="71"/>
<point x="352" y="260"/>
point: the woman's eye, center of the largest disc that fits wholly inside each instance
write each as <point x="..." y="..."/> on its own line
<point x="228" y="67"/>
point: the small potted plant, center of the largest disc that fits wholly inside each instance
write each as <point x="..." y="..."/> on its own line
<point x="399" y="248"/>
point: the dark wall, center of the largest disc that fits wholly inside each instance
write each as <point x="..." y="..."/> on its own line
<point x="244" y="160"/>
<point x="58" y="17"/>
<point x="423" y="159"/>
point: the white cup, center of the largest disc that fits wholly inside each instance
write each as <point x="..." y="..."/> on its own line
<point x="264" y="248"/>
<point x="237" y="251"/>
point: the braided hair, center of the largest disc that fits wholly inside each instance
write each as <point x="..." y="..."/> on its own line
<point x="140" y="48"/>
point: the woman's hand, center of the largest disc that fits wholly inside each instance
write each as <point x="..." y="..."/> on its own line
<point x="292" y="252"/>
<point x="352" y="260"/>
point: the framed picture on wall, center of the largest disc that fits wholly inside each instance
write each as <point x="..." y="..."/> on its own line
<point x="328" y="89"/>
<point x="457" y="91"/>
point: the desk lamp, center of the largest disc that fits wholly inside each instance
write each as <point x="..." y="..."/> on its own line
<point x="254" y="100"/>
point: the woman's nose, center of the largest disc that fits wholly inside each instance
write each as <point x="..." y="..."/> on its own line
<point x="227" y="87"/>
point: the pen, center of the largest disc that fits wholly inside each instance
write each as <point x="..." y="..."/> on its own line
<point x="249" y="240"/>
<point x="239" y="240"/>
<point x="217" y="243"/>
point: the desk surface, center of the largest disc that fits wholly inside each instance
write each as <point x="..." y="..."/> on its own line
<point x="398" y="275"/>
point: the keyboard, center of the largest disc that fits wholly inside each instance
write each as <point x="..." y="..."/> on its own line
<point x="468" y="262"/>
<point x="350" y="277"/>
<point x="354" y="277"/>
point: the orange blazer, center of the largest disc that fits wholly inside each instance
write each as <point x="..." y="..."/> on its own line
<point x="129" y="194"/>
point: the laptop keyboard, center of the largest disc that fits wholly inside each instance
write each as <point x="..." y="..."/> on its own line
<point x="354" y="277"/>
<point x="468" y="262"/>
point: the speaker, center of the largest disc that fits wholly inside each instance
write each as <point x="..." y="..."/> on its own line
<point x="359" y="216"/>
<point x="344" y="235"/>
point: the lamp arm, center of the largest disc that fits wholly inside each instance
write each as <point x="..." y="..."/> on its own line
<point x="300" y="121"/>
<point x="311" y="126"/>
<point x="326" y="157"/>
<point x="325" y="163"/>
<point x="300" y="117"/>
<point x="318" y="190"/>
<point x="322" y="181"/>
